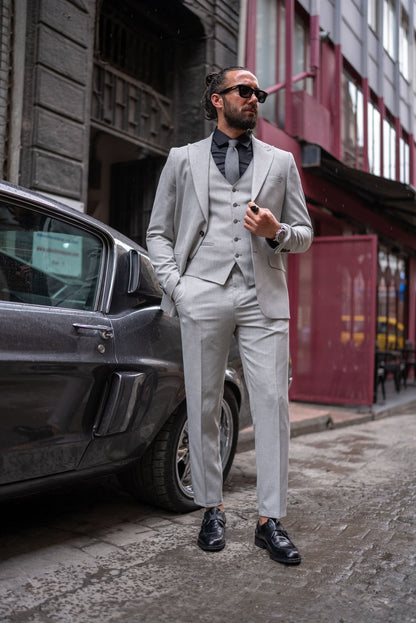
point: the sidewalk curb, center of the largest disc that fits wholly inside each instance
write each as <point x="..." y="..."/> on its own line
<point x="327" y="420"/>
<point x="311" y="425"/>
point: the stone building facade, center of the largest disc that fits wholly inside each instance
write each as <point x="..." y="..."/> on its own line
<point x="93" y="93"/>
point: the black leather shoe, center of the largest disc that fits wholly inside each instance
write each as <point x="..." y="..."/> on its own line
<point x="273" y="537"/>
<point x="212" y="535"/>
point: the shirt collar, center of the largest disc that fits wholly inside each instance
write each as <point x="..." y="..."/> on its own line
<point x="222" y="139"/>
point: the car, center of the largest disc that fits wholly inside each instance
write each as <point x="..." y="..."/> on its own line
<point x="90" y="367"/>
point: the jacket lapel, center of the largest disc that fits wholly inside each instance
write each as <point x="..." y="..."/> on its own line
<point x="199" y="155"/>
<point x="262" y="160"/>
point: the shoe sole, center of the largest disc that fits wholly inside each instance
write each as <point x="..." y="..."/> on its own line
<point x="286" y="561"/>
<point x="211" y="548"/>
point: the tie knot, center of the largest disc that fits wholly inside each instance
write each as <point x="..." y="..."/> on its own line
<point x="233" y="142"/>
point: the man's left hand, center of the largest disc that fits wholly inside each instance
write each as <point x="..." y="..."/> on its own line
<point x="261" y="223"/>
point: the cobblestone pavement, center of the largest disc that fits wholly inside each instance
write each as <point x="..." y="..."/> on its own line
<point x="90" y="553"/>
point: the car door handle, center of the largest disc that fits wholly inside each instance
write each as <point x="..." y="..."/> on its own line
<point x="105" y="332"/>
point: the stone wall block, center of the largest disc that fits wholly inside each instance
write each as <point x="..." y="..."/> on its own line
<point x="63" y="56"/>
<point x="60" y="95"/>
<point x="58" y="134"/>
<point x="56" y="175"/>
<point x="66" y="18"/>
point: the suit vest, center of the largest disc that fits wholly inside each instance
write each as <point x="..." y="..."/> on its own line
<point x="226" y="241"/>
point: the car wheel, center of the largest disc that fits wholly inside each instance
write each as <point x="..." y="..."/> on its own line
<point x="163" y="475"/>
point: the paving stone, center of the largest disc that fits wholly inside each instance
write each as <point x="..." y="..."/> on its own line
<point x="351" y="513"/>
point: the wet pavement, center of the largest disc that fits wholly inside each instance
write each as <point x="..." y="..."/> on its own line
<point x="89" y="552"/>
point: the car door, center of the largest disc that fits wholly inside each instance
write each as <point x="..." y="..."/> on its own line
<point x="56" y="346"/>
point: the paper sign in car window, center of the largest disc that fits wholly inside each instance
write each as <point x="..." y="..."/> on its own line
<point x="58" y="254"/>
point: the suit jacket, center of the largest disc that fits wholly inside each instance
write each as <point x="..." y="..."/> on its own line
<point x="181" y="211"/>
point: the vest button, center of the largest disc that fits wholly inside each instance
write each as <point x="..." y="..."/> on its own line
<point x="235" y="205"/>
<point x="201" y="233"/>
<point x="237" y="255"/>
<point x="236" y="239"/>
<point x="235" y="220"/>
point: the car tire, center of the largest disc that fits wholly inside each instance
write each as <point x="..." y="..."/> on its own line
<point x="162" y="477"/>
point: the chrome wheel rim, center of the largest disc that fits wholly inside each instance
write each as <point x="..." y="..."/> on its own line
<point x="183" y="463"/>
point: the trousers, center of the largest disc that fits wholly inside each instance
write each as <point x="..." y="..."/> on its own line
<point x="210" y="315"/>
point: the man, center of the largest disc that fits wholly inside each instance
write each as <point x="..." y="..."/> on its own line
<point x="223" y="214"/>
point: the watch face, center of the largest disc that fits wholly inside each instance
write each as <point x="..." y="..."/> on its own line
<point x="280" y="236"/>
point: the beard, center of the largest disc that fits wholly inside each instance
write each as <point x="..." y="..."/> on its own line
<point x="240" y="120"/>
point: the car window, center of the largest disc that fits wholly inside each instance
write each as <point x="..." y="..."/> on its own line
<point x="46" y="261"/>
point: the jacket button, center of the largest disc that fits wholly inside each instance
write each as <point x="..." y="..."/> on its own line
<point x="201" y="233"/>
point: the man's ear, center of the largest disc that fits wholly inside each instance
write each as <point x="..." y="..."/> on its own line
<point x="217" y="100"/>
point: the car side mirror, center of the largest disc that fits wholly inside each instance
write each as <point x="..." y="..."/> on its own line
<point x="142" y="280"/>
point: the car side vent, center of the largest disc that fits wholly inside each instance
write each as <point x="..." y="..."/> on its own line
<point x="124" y="404"/>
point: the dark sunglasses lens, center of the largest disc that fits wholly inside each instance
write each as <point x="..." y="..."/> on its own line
<point x="261" y="96"/>
<point x="245" y="91"/>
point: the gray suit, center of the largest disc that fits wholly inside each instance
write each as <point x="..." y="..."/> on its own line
<point x="211" y="312"/>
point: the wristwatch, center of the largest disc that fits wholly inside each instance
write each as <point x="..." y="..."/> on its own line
<point x="280" y="235"/>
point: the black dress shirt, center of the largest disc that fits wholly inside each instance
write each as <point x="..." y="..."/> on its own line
<point x="219" y="148"/>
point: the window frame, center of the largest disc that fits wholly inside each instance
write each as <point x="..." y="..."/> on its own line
<point x="404" y="47"/>
<point x="103" y="283"/>
<point x="374" y="121"/>
<point x="389" y="28"/>
<point x="354" y="156"/>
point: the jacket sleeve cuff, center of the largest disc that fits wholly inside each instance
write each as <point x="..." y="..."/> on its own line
<point x="171" y="284"/>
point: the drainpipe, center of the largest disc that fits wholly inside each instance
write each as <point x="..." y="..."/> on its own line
<point x="412" y="87"/>
<point x="16" y="105"/>
<point x="315" y="51"/>
<point x="380" y="83"/>
<point x="290" y="27"/>
<point x="365" y="85"/>
<point x="250" y="35"/>
<point x="397" y="89"/>
<point x="338" y="81"/>
<point x="242" y="34"/>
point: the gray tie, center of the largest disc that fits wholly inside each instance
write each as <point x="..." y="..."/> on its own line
<point x="232" y="162"/>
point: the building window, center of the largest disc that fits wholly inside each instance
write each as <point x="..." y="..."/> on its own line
<point x="389" y="150"/>
<point x="391" y="292"/>
<point x="372" y="15"/>
<point x="352" y="123"/>
<point x="404" y="45"/>
<point x="374" y="139"/>
<point x="301" y="53"/>
<point x="130" y="42"/>
<point x="414" y="57"/>
<point x="404" y="161"/>
<point x="271" y="55"/>
<point x="389" y="28"/>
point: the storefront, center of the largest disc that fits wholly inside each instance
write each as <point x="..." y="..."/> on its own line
<point x="353" y="293"/>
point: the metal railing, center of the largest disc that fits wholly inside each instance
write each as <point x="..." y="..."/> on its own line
<point x="131" y="108"/>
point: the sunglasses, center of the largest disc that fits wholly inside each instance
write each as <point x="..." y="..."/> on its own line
<point x="245" y="91"/>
